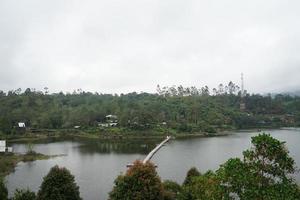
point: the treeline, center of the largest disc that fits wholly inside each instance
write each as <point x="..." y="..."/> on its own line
<point x="222" y="89"/>
<point x="178" y="109"/>
<point x="263" y="173"/>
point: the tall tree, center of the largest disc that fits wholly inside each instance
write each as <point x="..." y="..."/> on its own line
<point x="24" y="195"/>
<point x="140" y="182"/>
<point x="192" y="173"/>
<point x="263" y="173"/>
<point x="59" y="184"/>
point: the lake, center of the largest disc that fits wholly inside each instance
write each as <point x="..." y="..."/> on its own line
<point x="95" y="163"/>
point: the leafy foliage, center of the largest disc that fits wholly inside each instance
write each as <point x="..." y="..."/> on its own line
<point x="59" y="184"/>
<point x="193" y="172"/>
<point x="172" y="190"/>
<point x="263" y="173"/>
<point x="202" y="187"/>
<point x="182" y="109"/>
<point x="3" y="190"/>
<point x="24" y="195"/>
<point x="140" y="182"/>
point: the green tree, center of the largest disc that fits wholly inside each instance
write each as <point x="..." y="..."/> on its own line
<point x="193" y="172"/>
<point x="172" y="190"/>
<point x="140" y="182"/>
<point x="24" y="195"/>
<point x="203" y="187"/>
<point x="184" y="109"/>
<point x="59" y="184"/>
<point x="263" y="173"/>
<point x="3" y="190"/>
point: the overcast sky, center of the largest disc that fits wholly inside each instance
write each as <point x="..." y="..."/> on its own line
<point x="116" y="46"/>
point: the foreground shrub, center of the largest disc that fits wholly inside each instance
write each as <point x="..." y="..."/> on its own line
<point x="59" y="184"/>
<point x="3" y="190"/>
<point x="140" y="182"/>
<point x="193" y="172"/>
<point x="171" y="190"/>
<point x="264" y="173"/>
<point x="203" y="187"/>
<point x="24" y="195"/>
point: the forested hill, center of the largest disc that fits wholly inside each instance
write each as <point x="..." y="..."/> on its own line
<point x="175" y="108"/>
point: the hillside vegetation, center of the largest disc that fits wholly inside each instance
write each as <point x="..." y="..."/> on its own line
<point x="176" y="109"/>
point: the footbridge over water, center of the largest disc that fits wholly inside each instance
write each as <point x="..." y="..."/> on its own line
<point x="151" y="154"/>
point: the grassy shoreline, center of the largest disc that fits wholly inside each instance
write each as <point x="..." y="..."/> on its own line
<point x="116" y="134"/>
<point x="8" y="162"/>
<point x="41" y="137"/>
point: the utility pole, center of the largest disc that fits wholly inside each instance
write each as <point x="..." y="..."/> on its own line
<point x="242" y="103"/>
<point x="242" y="85"/>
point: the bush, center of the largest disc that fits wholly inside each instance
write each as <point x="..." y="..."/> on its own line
<point x="193" y="172"/>
<point x="171" y="190"/>
<point x="203" y="187"/>
<point x="59" y="184"/>
<point x="140" y="182"/>
<point x="24" y="195"/>
<point x="184" y="127"/>
<point x="264" y="173"/>
<point x="3" y="190"/>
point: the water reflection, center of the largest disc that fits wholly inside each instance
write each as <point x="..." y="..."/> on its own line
<point x="118" y="146"/>
<point x="89" y="146"/>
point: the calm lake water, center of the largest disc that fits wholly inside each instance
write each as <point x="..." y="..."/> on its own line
<point x="95" y="164"/>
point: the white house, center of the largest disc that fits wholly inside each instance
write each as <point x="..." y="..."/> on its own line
<point x="9" y="149"/>
<point x="111" y="118"/>
<point x="111" y="121"/>
<point x="21" y="125"/>
<point x="4" y="148"/>
<point x="103" y="124"/>
<point x="113" y="124"/>
<point x="2" y="145"/>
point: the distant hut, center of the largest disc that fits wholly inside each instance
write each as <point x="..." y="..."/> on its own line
<point x="2" y="146"/>
<point x="111" y="120"/>
<point x="21" y="125"/>
<point x="9" y="149"/>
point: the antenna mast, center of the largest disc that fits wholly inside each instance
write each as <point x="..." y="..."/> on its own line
<point x="242" y="103"/>
<point x="242" y="85"/>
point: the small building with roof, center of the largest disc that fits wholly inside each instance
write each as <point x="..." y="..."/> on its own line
<point x="21" y="125"/>
<point x="110" y="121"/>
<point x="4" y="148"/>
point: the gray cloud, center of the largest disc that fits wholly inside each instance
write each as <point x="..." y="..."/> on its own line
<point x="123" y="46"/>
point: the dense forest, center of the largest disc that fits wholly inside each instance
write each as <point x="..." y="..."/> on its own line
<point x="178" y="109"/>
